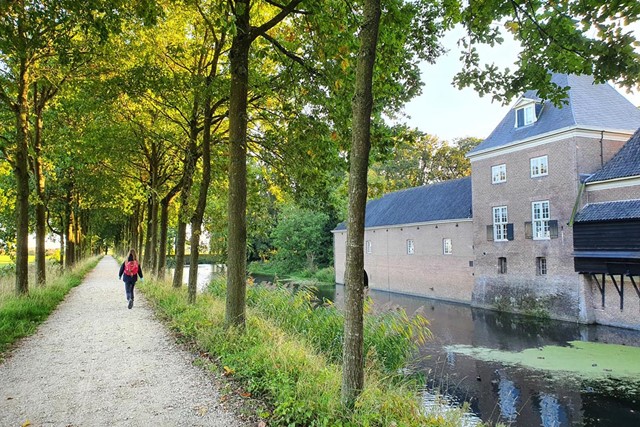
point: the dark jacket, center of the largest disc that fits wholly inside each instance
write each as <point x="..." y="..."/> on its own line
<point x="129" y="279"/>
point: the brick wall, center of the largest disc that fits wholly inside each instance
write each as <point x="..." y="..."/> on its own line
<point x="613" y="194"/>
<point x="559" y="293"/>
<point x="428" y="271"/>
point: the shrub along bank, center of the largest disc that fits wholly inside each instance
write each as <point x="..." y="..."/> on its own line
<point x="21" y="315"/>
<point x="294" y="365"/>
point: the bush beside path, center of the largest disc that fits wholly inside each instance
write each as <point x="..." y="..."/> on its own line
<point x="94" y="362"/>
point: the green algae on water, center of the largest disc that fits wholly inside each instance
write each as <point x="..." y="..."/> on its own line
<point x="587" y="360"/>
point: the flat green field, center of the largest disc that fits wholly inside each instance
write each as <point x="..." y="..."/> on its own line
<point x="5" y="259"/>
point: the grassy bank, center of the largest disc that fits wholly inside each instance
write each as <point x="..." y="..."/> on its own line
<point x="294" y="367"/>
<point x="322" y="276"/>
<point x="21" y="315"/>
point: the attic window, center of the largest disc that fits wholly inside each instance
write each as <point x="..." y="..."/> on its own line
<point x="525" y="115"/>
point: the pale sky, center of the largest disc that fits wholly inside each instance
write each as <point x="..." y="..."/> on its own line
<point x="449" y="113"/>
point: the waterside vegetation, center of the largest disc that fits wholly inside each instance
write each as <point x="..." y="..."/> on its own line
<point x="289" y="356"/>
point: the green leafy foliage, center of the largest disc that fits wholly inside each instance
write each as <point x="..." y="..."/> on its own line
<point x="575" y="37"/>
<point x="301" y="239"/>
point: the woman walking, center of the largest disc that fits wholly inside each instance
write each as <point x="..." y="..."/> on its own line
<point x="129" y="272"/>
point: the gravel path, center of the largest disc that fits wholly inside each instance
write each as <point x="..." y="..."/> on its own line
<point x="96" y="363"/>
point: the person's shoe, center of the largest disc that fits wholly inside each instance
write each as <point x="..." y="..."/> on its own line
<point x="130" y="303"/>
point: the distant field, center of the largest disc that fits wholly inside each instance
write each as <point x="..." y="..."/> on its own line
<point x="5" y="259"/>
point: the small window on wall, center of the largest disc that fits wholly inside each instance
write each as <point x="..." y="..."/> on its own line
<point x="447" y="249"/>
<point x="498" y="174"/>
<point x="539" y="166"/>
<point x="502" y="265"/>
<point x="541" y="266"/>
<point x="367" y="245"/>
<point x="410" y="247"/>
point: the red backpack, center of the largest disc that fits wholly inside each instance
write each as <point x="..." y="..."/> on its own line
<point x="131" y="268"/>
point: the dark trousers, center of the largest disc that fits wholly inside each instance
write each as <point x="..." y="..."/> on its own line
<point x="128" y="287"/>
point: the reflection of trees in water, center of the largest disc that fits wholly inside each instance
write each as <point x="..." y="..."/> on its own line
<point x="508" y="396"/>
<point x="550" y="411"/>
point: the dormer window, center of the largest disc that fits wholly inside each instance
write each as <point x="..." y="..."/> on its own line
<point x="526" y="112"/>
<point x="525" y="115"/>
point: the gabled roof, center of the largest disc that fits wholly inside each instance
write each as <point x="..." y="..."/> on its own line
<point x="589" y="105"/>
<point x="625" y="163"/>
<point x="610" y="211"/>
<point x="448" y="200"/>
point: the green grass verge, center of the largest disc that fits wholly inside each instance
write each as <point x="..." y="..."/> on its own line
<point x="322" y="276"/>
<point x="21" y="315"/>
<point x="300" y="383"/>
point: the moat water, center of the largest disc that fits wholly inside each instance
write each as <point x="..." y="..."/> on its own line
<point x="518" y="371"/>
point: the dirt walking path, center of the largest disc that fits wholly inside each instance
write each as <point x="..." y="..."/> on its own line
<point x="96" y="363"/>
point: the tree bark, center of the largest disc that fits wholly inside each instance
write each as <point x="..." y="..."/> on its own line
<point x="41" y="211"/>
<point x="164" y="227"/>
<point x="187" y="183"/>
<point x="237" y="204"/>
<point x="69" y="233"/>
<point x="196" y="219"/>
<point x="353" y="357"/>
<point x="21" y="172"/>
<point x="146" y="257"/>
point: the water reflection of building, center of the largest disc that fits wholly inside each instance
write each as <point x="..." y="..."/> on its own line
<point x="541" y="398"/>
<point x="516" y="252"/>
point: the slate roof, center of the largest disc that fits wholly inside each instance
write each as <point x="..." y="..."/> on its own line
<point x="588" y="105"/>
<point x="441" y="201"/>
<point x="609" y="211"/>
<point x="624" y="164"/>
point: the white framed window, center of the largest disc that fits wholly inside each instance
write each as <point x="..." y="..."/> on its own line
<point x="525" y="115"/>
<point x="498" y="174"/>
<point x="447" y="248"/>
<point x="540" y="220"/>
<point x="539" y="166"/>
<point x="541" y="266"/>
<point x="367" y="246"/>
<point x="410" y="247"/>
<point x="500" y="220"/>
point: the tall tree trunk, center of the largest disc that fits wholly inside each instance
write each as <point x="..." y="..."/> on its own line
<point x="41" y="211"/>
<point x="353" y="358"/>
<point x="154" y="233"/>
<point x="133" y="231"/>
<point x="237" y="208"/>
<point x="187" y="183"/>
<point x="21" y="172"/>
<point x="77" y="236"/>
<point x="139" y="243"/>
<point x="61" y="249"/>
<point x="146" y="258"/>
<point x="181" y="238"/>
<point x="69" y="233"/>
<point x="164" y="228"/>
<point x="196" y="219"/>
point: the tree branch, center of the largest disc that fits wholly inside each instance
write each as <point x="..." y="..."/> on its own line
<point x="518" y="9"/>
<point x="284" y="12"/>
<point x="288" y="54"/>
<point x="278" y="5"/>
